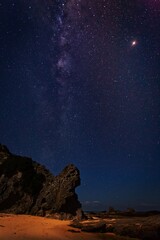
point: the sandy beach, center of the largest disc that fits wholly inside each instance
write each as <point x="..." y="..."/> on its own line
<point x="24" y="227"/>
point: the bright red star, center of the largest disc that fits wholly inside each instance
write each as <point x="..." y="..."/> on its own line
<point x="133" y="43"/>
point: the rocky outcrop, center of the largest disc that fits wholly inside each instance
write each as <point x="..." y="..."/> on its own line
<point x="90" y="226"/>
<point x="27" y="187"/>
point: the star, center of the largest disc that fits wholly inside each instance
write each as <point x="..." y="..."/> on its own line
<point x="134" y="43"/>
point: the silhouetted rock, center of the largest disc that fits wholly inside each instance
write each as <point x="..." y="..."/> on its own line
<point x="27" y="187"/>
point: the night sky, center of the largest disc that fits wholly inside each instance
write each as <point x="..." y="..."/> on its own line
<point x="80" y="83"/>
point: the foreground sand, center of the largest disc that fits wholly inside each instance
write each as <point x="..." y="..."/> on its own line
<point x="22" y="227"/>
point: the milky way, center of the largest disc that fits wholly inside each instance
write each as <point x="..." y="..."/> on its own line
<point x="66" y="23"/>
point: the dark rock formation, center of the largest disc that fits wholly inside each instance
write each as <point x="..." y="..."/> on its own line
<point x="27" y="187"/>
<point x="143" y="232"/>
